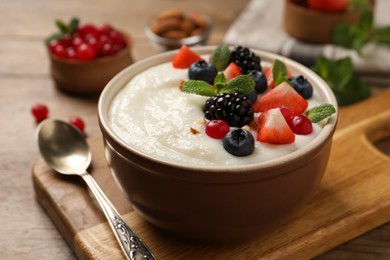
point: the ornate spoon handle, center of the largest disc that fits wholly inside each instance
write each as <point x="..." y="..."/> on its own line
<point x="132" y="246"/>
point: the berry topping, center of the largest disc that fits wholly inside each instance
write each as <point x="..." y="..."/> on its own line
<point x="301" y="125"/>
<point x="260" y="81"/>
<point x="184" y="58"/>
<point x="274" y="129"/>
<point x="302" y="86"/>
<point x="232" y="71"/>
<point x="239" y="142"/>
<point x="40" y="112"/>
<point x="235" y="109"/>
<point x="201" y="70"/>
<point x="217" y="129"/>
<point x="245" y="59"/>
<point x="77" y="122"/>
<point x="281" y="96"/>
<point x="286" y="114"/>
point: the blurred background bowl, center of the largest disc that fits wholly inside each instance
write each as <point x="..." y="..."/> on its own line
<point x="313" y="26"/>
<point x="173" y="28"/>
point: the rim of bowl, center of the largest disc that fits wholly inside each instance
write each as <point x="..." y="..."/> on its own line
<point x="122" y="78"/>
<point x="192" y="40"/>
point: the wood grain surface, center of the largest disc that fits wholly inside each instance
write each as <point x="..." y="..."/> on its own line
<point x="26" y="232"/>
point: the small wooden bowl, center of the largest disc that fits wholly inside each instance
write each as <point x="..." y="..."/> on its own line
<point x="313" y="26"/>
<point x="90" y="77"/>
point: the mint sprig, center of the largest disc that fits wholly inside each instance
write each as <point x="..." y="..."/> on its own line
<point x="319" y="113"/>
<point x="64" y="29"/>
<point x="279" y="72"/>
<point x="220" y="57"/>
<point x="339" y="75"/>
<point x="242" y="84"/>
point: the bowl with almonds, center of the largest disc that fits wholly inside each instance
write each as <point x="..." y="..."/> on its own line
<point x="173" y="28"/>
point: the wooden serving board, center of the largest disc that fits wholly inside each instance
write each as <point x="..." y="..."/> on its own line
<point x="353" y="198"/>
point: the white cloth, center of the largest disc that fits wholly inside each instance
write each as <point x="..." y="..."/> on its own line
<point x="260" y="26"/>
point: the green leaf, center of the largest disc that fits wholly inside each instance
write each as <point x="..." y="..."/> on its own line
<point x="52" y="37"/>
<point x="319" y="113"/>
<point x="354" y="91"/>
<point x="219" y="81"/>
<point x="220" y="57"/>
<point x="243" y="84"/>
<point x="338" y="74"/>
<point x="354" y="36"/>
<point x="62" y="27"/>
<point x="198" y="87"/>
<point x="73" y="25"/>
<point x="382" y="35"/>
<point x="279" y="72"/>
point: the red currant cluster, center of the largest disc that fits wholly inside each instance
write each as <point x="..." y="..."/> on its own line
<point x="41" y="112"/>
<point x="88" y="42"/>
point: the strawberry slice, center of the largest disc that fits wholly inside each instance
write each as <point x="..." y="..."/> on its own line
<point x="274" y="129"/>
<point x="184" y="58"/>
<point x="281" y="96"/>
<point x="232" y="71"/>
<point x="268" y="73"/>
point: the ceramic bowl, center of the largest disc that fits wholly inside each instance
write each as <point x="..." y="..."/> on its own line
<point x="313" y="26"/>
<point x="215" y="203"/>
<point x="89" y="77"/>
<point x="164" y="43"/>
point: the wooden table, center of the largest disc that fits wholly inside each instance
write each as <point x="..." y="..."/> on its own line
<point x="25" y="231"/>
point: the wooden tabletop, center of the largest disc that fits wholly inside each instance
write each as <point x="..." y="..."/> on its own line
<point x="25" y="231"/>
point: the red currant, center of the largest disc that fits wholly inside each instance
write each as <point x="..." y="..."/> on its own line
<point x="217" y="129"/>
<point x="85" y="52"/>
<point x="77" y="122"/>
<point x="40" y="112"/>
<point x="87" y="29"/>
<point x="301" y="125"/>
<point x="76" y="42"/>
<point x="71" y="53"/>
<point x="60" y="51"/>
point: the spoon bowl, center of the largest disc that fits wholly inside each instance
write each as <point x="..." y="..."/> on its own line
<point x="66" y="151"/>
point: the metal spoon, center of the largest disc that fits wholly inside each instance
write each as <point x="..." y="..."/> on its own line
<point x="65" y="150"/>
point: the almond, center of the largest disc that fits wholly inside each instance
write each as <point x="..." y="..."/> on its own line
<point x="160" y="26"/>
<point x="174" y="34"/>
<point x="187" y="26"/>
<point x="197" y="19"/>
<point x="171" y="13"/>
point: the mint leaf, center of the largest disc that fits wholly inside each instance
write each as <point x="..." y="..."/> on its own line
<point x="279" y="72"/>
<point x="219" y="81"/>
<point x="220" y="57"/>
<point x="318" y="113"/>
<point x="198" y="87"/>
<point x="338" y="74"/>
<point x="62" y="27"/>
<point x="354" y="36"/>
<point x="243" y="84"/>
<point x="73" y="25"/>
<point x="382" y="35"/>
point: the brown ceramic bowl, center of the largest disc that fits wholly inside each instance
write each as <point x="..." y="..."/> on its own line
<point x="90" y="77"/>
<point x="165" y="43"/>
<point x="313" y="26"/>
<point x="215" y="203"/>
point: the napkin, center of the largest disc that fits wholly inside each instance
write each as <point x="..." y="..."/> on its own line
<point x="260" y="26"/>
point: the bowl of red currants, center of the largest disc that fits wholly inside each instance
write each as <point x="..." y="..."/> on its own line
<point x="313" y="21"/>
<point x="83" y="58"/>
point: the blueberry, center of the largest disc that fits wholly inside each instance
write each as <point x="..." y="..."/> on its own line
<point x="239" y="142"/>
<point x="260" y="80"/>
<point x="302" y="86"/>
<point x="201" y="70"/>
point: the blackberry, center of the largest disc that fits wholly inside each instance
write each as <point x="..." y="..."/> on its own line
<point x="234" y="108"/>
<point x="245" y="59"/>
